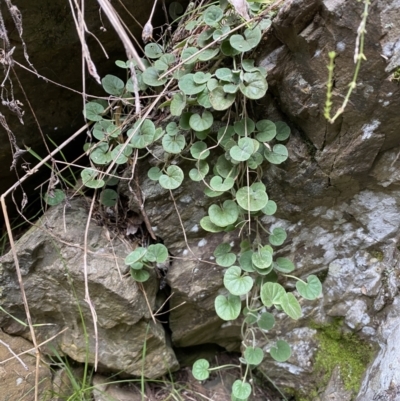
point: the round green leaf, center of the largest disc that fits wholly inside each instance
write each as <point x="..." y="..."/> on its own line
<point x="270" y="208"/>
<point x="199" y="150"/>
<point x="108" y="197"/>
<point x="217" y="184"/>
<point x="250" y="199"/>
<point x="172" y="179"/>
<point x="100" y="154"/>
<point x="228" y="308"/>
<point x="223" y="255"/>
<point x="188" y="86"/>
<point x="221" y="100"/>
<point x="201" y="123"/>
<point x="200" y="369"/>
<point x="266" y="321"/>
<point x="178" y="104"/>
<point x="235" y="283"/>
<point x="253" y="355"/>
<point x="201" y="78"/>
<point x="224" y="74"/>
<point x="277" y="237"/>
<point x="135" y="256"/>
<point x="93" y="111"/>
<point x="54" y="197"/>
<point x="151" y="76"/>
<point x="312" y="289"/>
<point x="140" y="275"/>
<point x="291" y="306"/>
<point x="154" y="173"/>
<point x="281" y="352"/>
<point x="254" y="85"/>
<point x="266" y="130"/>
<point x="201" y="170"/>
<point x="113" y="85"/>
<point x="262" y="258"/>
<point x="272" y="293"/>
<point x="247" y="42"/>
<point x="89" y="178"/>
<point x="283" y="131"/>
<point x="157" y="253"/>
<point x="212" y="15"/>
<point x="243" y="150"/>
<point x="121" y="64"/>
<point x="284" y="265"/>
<point x="173" y="144"/>
<point x="121" y="157"/>
<point x="225" y="215"/>
<point x="244" y="127"/>
<point x="241" y="390"/>
<point x="278" y="155"/>
<point x="153" y="50"/>
<point x="172" y="129"/>
<point x="208" y="225"/>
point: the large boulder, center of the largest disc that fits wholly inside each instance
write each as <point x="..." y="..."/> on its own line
<point x="52" y="262"/>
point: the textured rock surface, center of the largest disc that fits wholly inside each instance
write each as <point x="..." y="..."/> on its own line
<point x="338" y="193"/>
<point x="17" y="378"/>
<point x="51" y="259"/>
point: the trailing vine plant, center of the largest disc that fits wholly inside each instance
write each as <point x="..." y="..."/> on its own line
<point x="206" y="80"/>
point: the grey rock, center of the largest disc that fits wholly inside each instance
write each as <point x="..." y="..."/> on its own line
<point x="17" y="376"/>
<point x="51" y="258"/>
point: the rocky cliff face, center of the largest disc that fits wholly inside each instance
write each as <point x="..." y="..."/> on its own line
<point x="339" y="200"/>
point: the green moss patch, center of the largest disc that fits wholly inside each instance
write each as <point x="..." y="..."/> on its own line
<point x="345" y="350"/>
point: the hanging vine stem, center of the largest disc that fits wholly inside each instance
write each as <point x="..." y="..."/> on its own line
<point x="359" y="56"/>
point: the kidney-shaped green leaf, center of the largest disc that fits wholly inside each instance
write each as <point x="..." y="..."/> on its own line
<point x="272" y="293"/>
<point x="291" y="306"/>
<point x="225" y="215"/>
<point x="236" y="283"/>
<point x="253" y="355"/>
<point x="172" y="179"/>
<point x="200" y="369"/>
<point x="228" y="308"/>
<point x="281" y="352"/>
<point x="250" y="199"/>
<point x="310" y="290"/>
